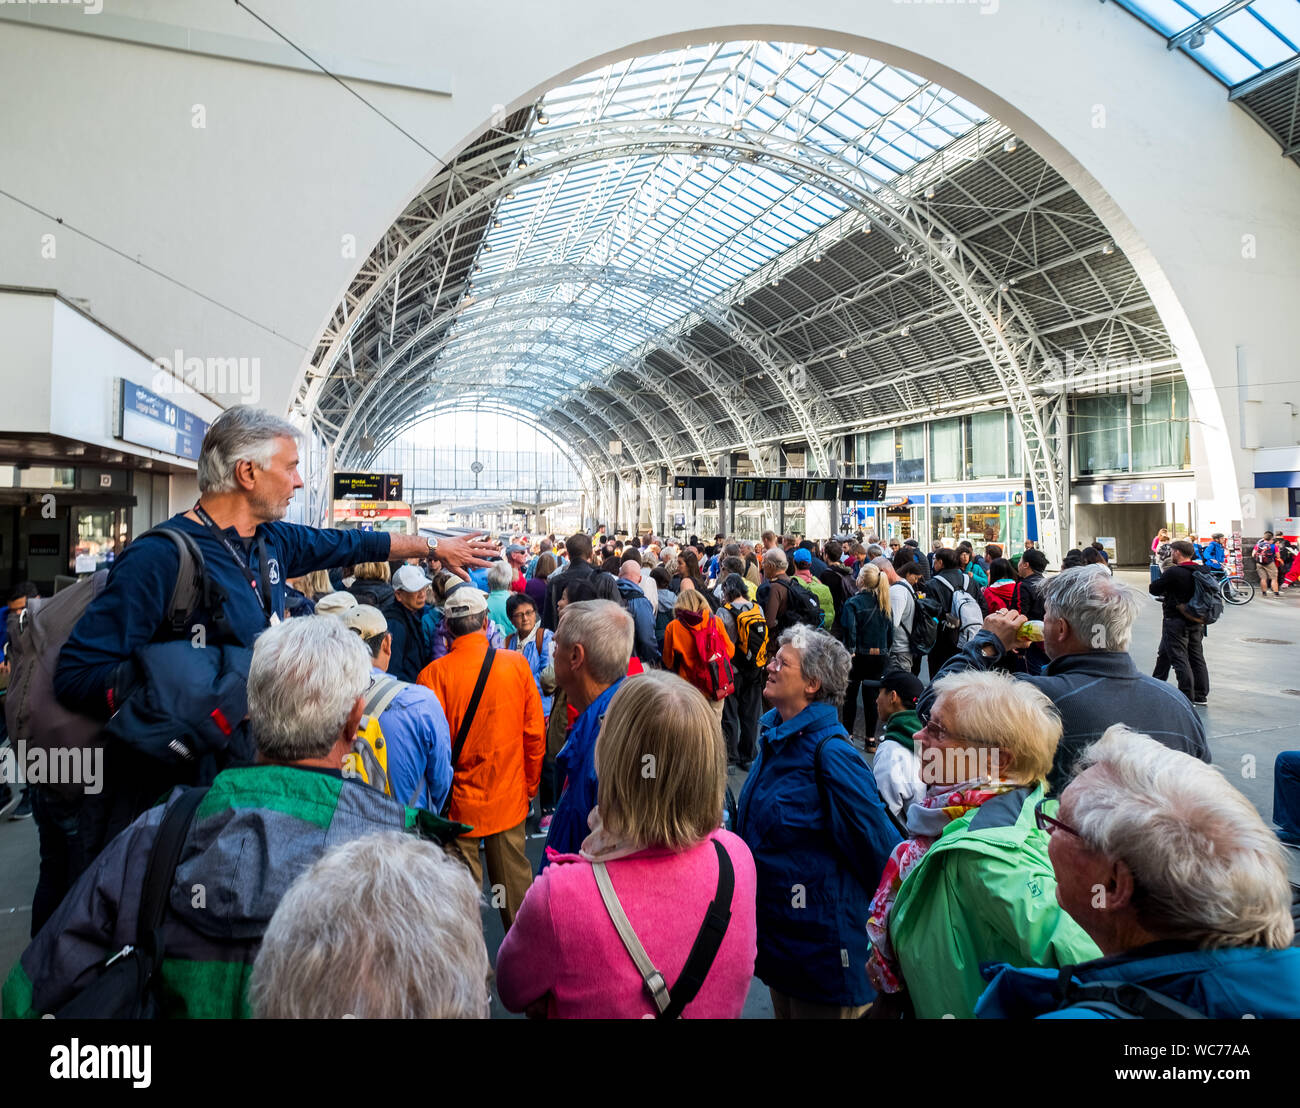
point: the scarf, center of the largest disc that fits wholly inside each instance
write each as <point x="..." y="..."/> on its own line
<point x="601" y="845"/>
<point x="926" y="821"/>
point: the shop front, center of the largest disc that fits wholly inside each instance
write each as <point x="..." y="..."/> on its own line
<point x="981" y="517"/>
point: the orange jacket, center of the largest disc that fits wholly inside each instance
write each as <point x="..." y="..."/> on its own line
<point x="679" y="653"/>
<point x="500" y="765"/>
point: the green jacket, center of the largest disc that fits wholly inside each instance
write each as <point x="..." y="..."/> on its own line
<point x="824" y="598"/>
<point x="984" y="892"/>
<point x="256" y="830"/>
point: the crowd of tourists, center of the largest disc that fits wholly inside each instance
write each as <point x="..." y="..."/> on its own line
<point x="961" y="796"/>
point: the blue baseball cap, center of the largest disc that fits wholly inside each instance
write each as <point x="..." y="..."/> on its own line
<point x="803" y="557"/>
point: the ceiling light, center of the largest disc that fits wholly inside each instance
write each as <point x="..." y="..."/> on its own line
<point x="1009" y="147"/>
<point x="1109" y="248"/>
<point x="543" y="119"/>
<point x="844" y="353"/>
<point x="510" y="195"/>
<point x="817" y="257"/>
<point x="905" y="330"/>
<point x="929" y="193"/>
<point x="810" y="50"/>
<point x="1196" y="41"/>
<point x="770" y="90"/>
<point x="776" y="281"/>
<point x="1003" y="287"/>
<point x="478" y="268"/>
<point x="487" y="248"/>
<point x="866" y="228"/>
<point x="496" y="223"/>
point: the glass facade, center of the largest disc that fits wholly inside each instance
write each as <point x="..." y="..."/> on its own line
<point x="911" y="455"/>
<point x="880" y="456"/>
<point x="1101" y="434"/>
<point x="945" y="451"/>
<point x="986" y="445"/>
<point x="1160" y="439"/>
<point x="1142" y="432"/>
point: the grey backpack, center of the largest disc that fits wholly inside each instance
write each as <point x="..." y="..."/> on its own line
<point x="37" y="634"/>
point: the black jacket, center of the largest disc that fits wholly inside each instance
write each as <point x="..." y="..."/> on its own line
<point x="577" y="571"/>
<point x="839" y="579"/>
<point x="1177" y="585"/>
<point x="1092" y="691"/>
<point x="410" y="654"/>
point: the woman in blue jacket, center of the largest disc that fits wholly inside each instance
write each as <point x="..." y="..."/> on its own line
<point x="867" y="631"/>
<point x="819" y="833"/>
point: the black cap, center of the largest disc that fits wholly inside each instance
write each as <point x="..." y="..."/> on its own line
<point x="1035" y="560"/>
<point x="905" y="683"/>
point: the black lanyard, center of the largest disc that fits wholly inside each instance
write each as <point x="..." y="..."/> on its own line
<point x="264" y="592"/>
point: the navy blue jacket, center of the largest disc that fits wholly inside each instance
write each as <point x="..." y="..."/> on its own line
<point x="411" y="652"/>
<point x="863" y="625"/>
<point x="819" y="855"/>
<point x="1092" y="691"/>
<point x="637" y="603"/>
<point x="1229" y="983"/>
<point x="576" y="765"/>
<point x="132" y="609"/>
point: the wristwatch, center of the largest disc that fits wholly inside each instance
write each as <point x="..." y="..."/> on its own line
<point x="433" y="545"/>
<point x="988" y="650"/>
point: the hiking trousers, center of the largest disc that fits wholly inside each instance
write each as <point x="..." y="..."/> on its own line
<point x="509" y="873"/>
<point x="1180" y="650"/>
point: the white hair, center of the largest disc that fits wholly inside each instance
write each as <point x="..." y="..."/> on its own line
<point x="304" y="678"/>
<point x="1205" y="866"/>
<point x="605" y="631"/>
<point x="822" y="658"/>
<point x="500" y="575"/>
<point x="1099" y="608"/>
<point x="384" y="927"/>
<point x="239" y="434"/>
<point x="775" y="558"/>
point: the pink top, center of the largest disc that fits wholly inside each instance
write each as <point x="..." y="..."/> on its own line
<point x="563" y="945"/>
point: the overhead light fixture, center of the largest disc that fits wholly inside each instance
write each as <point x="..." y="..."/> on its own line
<point x="496" y="223"/>
<point x="810" y="50"/>
<point x="1003" y="287"/>
<point x="1109" y="248"/>
<point x="487" y="248"/>
<point x="866" y="228"/>
<point x="817" y="257"/>
<point x="770" y="90"/>
<point x="1196" y="41"/>
<point x="478" y="268"/>
<point x="543" y="119"/>
<point x="776" y="281"/>
<point x="844" y="353"/>
<point x="905" y="330"/>
<point x="1009" y="147"/>
<point x="929" y="193"/>
<point x="510" y="195"/>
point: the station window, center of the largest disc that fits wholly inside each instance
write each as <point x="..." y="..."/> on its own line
<point x="945" y="451"/>
<point x="1101" y="434"/>
<point x="986" y="445"/>
<point x="1160" y="439"/>
<point x="947" y="523"/>
<point x="911" y="455"/>
<point x="880" y="455"/>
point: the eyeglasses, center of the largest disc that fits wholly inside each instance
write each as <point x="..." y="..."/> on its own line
<point x="937" y="729"/>
<point x="775" y="665"/>
<point x="1049" y="823"/>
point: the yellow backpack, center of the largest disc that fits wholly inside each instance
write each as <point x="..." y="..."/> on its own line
<point x="369" y="757"/>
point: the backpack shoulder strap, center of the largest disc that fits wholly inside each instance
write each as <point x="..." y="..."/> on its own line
<point x="384" y="692"/>
<point x="1129" y="1000"/>
<point x="160" y="872"/>
<point x="190" y="577"/>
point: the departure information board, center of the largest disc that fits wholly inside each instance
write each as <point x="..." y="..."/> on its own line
<point x="367" y="486"/>
<point x="864" y="490"/>
<point x="816" y="488"/>
<point x="709" y="488"/>
<point x="786" y="488"/>
<point x="751" y="488"/>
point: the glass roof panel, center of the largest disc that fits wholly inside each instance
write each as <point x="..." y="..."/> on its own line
<point x="585" y="262"/>
<point x="1257" y="36"/>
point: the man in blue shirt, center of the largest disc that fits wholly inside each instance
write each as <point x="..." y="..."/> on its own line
<point x="415" y="728"/>
<point x="247" y="476"/>
<point x="593" y="645"/>
<point x="1213" y="554"/>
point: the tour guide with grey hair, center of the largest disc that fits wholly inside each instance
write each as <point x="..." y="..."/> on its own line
<point x="1090" y="677"/>
<point x="247" y="473"/>
<point x="256" y="830"/>
<point x="1172" y="872"/>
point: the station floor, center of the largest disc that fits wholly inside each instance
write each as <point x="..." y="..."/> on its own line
<point x="1253" y="713"/>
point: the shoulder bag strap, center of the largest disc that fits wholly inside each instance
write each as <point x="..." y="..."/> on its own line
<point x="655" y="984"/>
<point x="707" y="943"/>
<point x="462" y="732"/>
<point x="160" y="872"/>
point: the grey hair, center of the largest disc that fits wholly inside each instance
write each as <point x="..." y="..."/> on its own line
<point x="604" y="629"/>
<point x="500" y="575"/>
<point x="875" y="550"/>
<point x="383" y="927"/>
<point x="1205" y="866"/>
<point x="1095" y="605"/>
<point x="822" y="658"/>
<point x="466" y="625"/>
<point x="239" y="434"/>
<point x="775" y="558"/>
<point x="302" y="682"/>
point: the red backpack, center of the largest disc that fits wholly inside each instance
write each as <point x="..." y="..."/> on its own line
<point x="712" y="673"/>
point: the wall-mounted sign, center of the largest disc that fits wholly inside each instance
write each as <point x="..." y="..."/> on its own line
<point x="864" y="490"/>
<point x="1134" y="492"/>
<point x="786" y="488"/>
<point x="750" y="488"/>
<point x="709" y="488"/>
<point x="367" y="486"/>
<point x="146" y="419"/>
<point x="815" y="488"/>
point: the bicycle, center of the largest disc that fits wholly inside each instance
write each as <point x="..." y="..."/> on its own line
<point x="1234" y="588"/>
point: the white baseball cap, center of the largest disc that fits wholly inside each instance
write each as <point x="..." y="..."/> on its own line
<point x="410" y="579"/>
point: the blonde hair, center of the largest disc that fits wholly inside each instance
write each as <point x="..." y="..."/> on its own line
<point x="314" y="584"/>
<point x="372" y="571"/>
<point x="690" y="600"/>
<point x="995" y="710"/>
<point x="873" y="581"/>
<point x="661" y="763"/>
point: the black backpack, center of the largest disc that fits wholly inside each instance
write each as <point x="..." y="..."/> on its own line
<point x="927" y="617"/>
<point x="1206" y="604"/>
<point x="801" y="606"/>
<point x="125" y="988"/>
